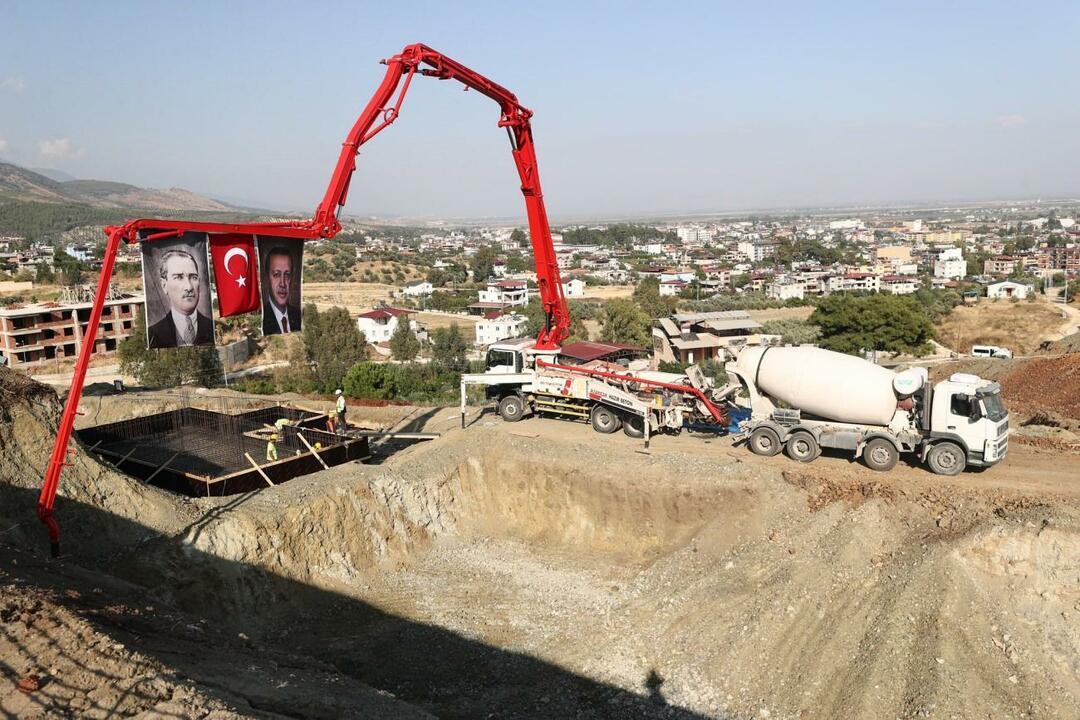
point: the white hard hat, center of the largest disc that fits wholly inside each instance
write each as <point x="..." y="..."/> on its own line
<point x="338" y="391"/>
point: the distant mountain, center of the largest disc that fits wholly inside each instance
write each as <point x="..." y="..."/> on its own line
<point x="19" y="183"/>
<point x="54" y="174"/>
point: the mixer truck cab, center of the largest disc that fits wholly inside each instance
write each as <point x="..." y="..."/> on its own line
<point x="966" y="414"/>
<point x="804" y="399"/>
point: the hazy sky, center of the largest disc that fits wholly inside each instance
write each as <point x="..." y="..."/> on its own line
<point x="640" y="108"/>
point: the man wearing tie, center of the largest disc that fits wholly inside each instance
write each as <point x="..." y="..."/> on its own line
<point x="278" y="315"/>
<point x="183" y="325"/>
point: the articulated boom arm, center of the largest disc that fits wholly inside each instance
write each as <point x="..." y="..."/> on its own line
<point x="514" y="117"/>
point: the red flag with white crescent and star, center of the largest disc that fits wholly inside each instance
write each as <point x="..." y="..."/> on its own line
<point x="235" y="272"/>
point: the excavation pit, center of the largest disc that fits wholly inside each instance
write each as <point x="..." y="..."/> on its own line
<point x="201" y="452"/>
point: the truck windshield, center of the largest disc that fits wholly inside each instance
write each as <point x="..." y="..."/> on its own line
<point x="994" y="407"/>
<point x="500" y="358"/>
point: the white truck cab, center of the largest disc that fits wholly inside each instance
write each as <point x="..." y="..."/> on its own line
<point x="968" y="411"/>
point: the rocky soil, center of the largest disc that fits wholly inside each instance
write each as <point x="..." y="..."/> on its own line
<point x="540" y="570"/>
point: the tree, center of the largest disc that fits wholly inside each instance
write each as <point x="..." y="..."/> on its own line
<point x="168" y="367"/>
<point x="893" y="323"/>
<point x="519" y="237"/>
<point x="483" y="263"/>
<point x="579" y="311"/>
<point x="793" y="331"/>
<point x="44" y="275"/>
<point x="625" y="322"/>
<point x="647" y="297"/>
<point x="338" y="346"/>
<point x="403" y="344"/>
<point x="448" y="348"/>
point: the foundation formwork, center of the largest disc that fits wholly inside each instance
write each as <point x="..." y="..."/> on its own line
<point x="201" y="452"/>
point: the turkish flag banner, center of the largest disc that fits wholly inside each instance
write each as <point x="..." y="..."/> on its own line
<point x="235" y="273"/>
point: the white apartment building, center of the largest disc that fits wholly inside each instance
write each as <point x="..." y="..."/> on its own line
<point x="786" y="289"/>
<point x="496" y="326"/>
<point x="756" y="250"/>
<point x="853" y="282"/>
<point x="899" y="284"/>
<point x="950" y="269"/>
<point x="506" y="292"/>
<point x="573" y="288"/>
<point x="671" y="288"/>
<point x="380" y="324"/>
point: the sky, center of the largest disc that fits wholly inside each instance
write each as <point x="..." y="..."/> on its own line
<point x="641" y="109"/>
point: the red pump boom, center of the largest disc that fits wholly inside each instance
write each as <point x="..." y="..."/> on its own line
<point x="513" y="116"/>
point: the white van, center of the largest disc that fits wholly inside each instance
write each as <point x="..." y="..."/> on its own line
<point x="990" y="351"/>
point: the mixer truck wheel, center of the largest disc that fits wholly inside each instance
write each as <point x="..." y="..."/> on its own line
<point x="764" y="441"/>
<point x="604" y="420"/>
<point x="880" y="454"/>
<point x="512" y="408"/>
<point x="802" y="447"/>
<point x="946" y="458"/>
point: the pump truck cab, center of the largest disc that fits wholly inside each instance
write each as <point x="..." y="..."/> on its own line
<point x="804" y="399"/>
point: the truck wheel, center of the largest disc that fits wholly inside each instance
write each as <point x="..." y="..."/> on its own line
<point x="880" y="454"/>
<point x="946" y="458"/>
<point x="604" y="420"/>
<point x="764" y="441"/>
<point x="634" y="426"/>
<point x="802" y="447"/>
<point x="512" y="408"/>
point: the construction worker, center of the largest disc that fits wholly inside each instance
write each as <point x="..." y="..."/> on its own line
<point x="271" y="448"/>
<point x="281" y="423"/>
<point x="340" y="407"/>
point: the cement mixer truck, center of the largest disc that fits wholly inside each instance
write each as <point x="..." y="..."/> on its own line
<point x="803" y="399"/>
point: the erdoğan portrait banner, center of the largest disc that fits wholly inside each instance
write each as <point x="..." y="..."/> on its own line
<point x="235" y="272"/>
<point x="281" y="267"/>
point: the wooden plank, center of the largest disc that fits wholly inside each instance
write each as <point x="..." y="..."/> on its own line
<point x="523" y="434"/>
<point x="313" y="451"/>
<point x="259" y="469"/>
<point x="162" y="467"/>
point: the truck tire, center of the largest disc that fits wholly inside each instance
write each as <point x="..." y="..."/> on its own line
<point x="880" y="454"/>
<point x="947" y="458"/>
<point x="765" y="442"/>
<point x="634" y="426"/>
<point x="604" y="419"/>
<point x="802" y="447"/>
<point x="512" y="408"/>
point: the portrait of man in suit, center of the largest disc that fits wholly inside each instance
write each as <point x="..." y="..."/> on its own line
<point x="184" y="286"/>
<point x="280" y="283"/>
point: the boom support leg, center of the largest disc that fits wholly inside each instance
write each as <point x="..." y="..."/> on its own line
<point x="71" y="407"/>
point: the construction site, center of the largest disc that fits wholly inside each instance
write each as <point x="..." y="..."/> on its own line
<point x="209" y="554"/>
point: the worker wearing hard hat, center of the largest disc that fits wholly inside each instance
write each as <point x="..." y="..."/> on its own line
<point x="281" y="423"/>
<point x="340" y="408"/>
<point x="271" y="448"/>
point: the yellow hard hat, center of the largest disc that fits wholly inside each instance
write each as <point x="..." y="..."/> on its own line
<point x="274" y="436"/>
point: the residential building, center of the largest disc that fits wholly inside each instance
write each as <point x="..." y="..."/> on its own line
<point x="690" y="338"/>
<point x="671" y="288"/>
<point x="418" y="289"/>
<point x="1009" y="289"/>
<point x="854" y="282"/>
<point x="574" y="288"/>
<point x="380" y="324"/>
<point x="1000" y="265"/>
<point x="786" y="288"/>
<point x="757" y="250"/>
<point x="506" y="292"/>
<point x="37" y="333"/>
<point x="498" y="326"/>
<point x="899" y="284"/>
<point x="950" y="269"/>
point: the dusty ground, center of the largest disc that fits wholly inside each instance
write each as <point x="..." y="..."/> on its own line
<point x="542" y="570"/>
<point x="1019" y="326"/>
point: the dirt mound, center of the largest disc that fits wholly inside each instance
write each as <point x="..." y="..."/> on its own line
<point x="1068" y="344"/>
<point x="1050" y="385"/>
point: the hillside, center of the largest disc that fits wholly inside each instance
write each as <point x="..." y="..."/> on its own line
<point x="21" y="184"/>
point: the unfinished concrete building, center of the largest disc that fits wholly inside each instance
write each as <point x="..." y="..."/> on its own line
<point x="690" y="338"/>
<point x="36" y="333"/>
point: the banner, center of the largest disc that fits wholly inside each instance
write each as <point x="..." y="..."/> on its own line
<point x="235" y="273"/>
<point x="176" y="282"/>
<point x="281" y="267"/>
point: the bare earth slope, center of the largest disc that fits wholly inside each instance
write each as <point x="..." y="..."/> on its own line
<point x="542" y="570"/>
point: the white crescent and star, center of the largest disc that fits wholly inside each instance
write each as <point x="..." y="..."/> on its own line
<point x="233" y="252"/>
